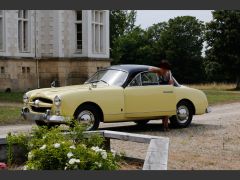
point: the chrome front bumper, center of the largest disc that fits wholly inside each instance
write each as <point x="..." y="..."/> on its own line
<point x="46" y="117"/>
<point x="208" y="110"/>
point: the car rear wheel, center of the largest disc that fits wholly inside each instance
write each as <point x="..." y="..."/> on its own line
<point x="141" y="122"/>
<point x="184" y="115"/>
<point x="88" y="116"/>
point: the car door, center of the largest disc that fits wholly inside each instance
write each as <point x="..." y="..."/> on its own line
<point x="144" y="97"/>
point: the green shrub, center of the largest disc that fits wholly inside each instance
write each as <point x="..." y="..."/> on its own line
<point x="51" y="149"/>
<point x="21" y="140"/>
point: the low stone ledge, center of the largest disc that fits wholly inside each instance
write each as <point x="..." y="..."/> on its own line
<point x="156" y="157"/>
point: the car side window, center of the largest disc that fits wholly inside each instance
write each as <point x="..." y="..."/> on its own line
<point x="149" y="78"/>
<point x="136" y="81"/>
<point x="144" y="79"/>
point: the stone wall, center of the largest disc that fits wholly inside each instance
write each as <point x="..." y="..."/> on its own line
<point x="18" y="75"/>
<point x="21" y="74"/>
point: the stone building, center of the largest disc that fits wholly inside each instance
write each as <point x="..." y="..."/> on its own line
<point x="39" y="46"/>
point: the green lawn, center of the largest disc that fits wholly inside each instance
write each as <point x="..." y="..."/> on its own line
<point x="11" y="115"/>
<point x="222" y="96"/>
<point x="11" y="97"/>
<point x="219" y="93"/>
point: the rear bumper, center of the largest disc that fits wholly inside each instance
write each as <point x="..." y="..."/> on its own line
<point x="46" y="117"/>
<point x="208" y="110"/>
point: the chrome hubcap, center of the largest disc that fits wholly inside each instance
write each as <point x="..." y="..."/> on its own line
<point x="182" y="114"/>
<point x="86" y="118"/>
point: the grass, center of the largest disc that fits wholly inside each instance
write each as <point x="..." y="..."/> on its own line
<point x="10" y="106"/>
<point x="11" y="115"/>
<point x="11" y="97"/>
<point x="219" y="93"/>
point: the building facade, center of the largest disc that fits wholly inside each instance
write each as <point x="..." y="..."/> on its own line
<point x="40" y="46"/>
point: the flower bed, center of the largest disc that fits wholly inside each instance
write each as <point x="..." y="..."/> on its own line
<point x="51" y="149"/>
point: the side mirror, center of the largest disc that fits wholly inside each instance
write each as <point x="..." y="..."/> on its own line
<point x="53" y="84"/>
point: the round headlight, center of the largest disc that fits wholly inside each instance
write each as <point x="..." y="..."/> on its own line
<point x="25" y="98"/>
<point x="57" y="101"/>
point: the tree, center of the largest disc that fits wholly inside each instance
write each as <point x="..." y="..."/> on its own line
<point x="153" y="35"/>
<point x="139" y="46"/>
<point x="179" y="40"/>
<point x="182" y="43"/>
<point x="223" y="39"/>
<point x="129" y="48"/>
<point x="121" y="22"/>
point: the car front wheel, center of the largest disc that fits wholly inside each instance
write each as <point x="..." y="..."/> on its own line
<point x="184" y="115"/>
<point x="88" y="116"/>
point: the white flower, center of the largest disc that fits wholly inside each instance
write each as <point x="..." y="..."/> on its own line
<point x="77" y="160"/>
<point x="57" y="145"/>
<point x="73" y="161"/>
<point x="30" y="155"/>
<point x="95" y="148"/>
<point x="72" y="147"/>
<point x="69" y="155"/>
<point x="98" y="164"/>
<point x="104" y="154"/>
<point x="43" y="147"/>
<point x="25" y="167"/>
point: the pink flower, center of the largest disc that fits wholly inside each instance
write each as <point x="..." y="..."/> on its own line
<point x="3" y="165"/>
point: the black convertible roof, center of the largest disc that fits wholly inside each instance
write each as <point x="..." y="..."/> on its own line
<point x="130" y="68"/>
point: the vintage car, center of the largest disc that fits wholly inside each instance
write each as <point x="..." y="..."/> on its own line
<point x="118" y="93"/>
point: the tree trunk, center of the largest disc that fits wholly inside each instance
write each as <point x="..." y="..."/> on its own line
<point x="238" y="83"/>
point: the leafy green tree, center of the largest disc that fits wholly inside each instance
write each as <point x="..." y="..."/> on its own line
<point x="139" y="46"/>
<point x="182" y="42"/>
<point x="129" y="48"/>
<point x="153" y="35"/>
<point x="223" y="39"/>
<point x="121" y="22"/>
<point x="179" y="40"/>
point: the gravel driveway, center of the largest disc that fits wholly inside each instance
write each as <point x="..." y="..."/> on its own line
<point x="211" y="142"/>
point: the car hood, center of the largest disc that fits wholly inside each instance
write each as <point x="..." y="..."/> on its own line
<point x="61" y="91"/>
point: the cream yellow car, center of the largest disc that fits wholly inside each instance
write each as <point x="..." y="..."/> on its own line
<point x="118" y="93"/>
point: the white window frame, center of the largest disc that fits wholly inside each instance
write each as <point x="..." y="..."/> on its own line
<point x="2" y="17"/>
<point x="98" y="31"/>
<point x="77" y="22"/>
<point x="24" y="44"/>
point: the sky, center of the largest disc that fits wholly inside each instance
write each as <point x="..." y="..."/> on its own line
<point x="146" y="18"/>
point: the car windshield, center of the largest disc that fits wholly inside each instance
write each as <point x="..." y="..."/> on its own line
<point x="109" y="76"/>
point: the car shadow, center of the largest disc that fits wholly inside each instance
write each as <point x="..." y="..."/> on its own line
<point x="153" y="128"/>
